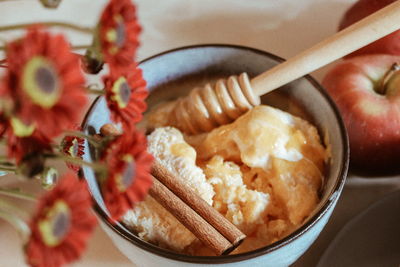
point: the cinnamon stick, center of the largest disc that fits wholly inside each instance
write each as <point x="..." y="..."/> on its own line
<point x="190" y="219"/>
<point x="199" y="205"/>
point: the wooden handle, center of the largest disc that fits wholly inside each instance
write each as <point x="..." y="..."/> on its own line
<point x="366" y="31"/>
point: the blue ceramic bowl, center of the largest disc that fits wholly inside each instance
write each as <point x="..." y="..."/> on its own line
<point x="176" y="72"/>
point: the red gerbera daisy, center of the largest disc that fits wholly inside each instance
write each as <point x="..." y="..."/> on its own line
<point x="118" y="33"/>
<point x="73" y="146"/>
<point x="125" y="95"/>
<point x="62" y="224"/>
<point x="44" y="82"/>
<point x="128" y="178"/>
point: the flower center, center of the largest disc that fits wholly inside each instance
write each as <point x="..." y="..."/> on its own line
<point x="56" y="224"/>
<point x="120" y="29"/>
<point x="41" y="82"/>
<point x="74" y="148"/>
<point x="21" y="129"/>
<point x="117" y="35"/>
<point x="126" y="178"/>
<point x="122" y="92"/>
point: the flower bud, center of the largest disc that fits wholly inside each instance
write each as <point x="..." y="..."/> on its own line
<point x="49" y="178"/>
<point x="31" y="165"/>
<point x="91" y="63"/>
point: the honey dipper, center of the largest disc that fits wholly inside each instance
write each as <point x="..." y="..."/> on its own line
<point x="208" y="107"/>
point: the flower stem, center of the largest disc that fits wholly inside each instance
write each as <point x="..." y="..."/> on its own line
<point x="18" y="224"/>
<point x="3" y="141"/>
<point x="78" y="161"/>
<point x="6" y="163"/>
<point x="49" y="24"/>
<point x="16" y="193"/>
<point x="10" y="207"/>
<point x="3" y="157"/>
<point x="6" y="167"/>
<point x="76" y="47"/>
<point x="94" y="91"/>
<point x="89" y="138"/>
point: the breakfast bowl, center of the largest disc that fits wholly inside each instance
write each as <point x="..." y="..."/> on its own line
<point x="173" y="74"/>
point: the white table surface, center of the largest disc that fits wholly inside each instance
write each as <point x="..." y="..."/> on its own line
<point x="283" y="27"/>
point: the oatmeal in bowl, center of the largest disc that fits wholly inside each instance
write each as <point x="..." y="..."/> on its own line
<point x="276" y="172"/>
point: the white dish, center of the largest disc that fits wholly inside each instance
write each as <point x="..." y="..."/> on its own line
<point x="370" y="239"/>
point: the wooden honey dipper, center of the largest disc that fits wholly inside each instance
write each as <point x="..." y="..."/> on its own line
<point x="208" y="107"/>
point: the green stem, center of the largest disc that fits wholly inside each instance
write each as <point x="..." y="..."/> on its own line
<point x="8" y="167"/>
<point x="10" y="207"/>
<point x="16" y="193"/>
<point x="94" y="91"/>
<point x="76" y="47"/>
<point x="7" y="164"/>
<point x="48" y="24"/>
<point x="78" y="161"/>
<point x="7" y="170"/>
<point x="4" y="162"/>
<point x="89" y="138"/>
<point x="18" y="224"/>
<point x="56" y="146"/>
<point x="3" y="157"/>
<point x="94" y="166"/>
<point x="73" y="47"/>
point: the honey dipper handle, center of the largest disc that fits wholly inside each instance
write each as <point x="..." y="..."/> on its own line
<point x="365" y="31"/>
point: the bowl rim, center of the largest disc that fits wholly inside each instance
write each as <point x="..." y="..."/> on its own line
<point x="333" y="195"/>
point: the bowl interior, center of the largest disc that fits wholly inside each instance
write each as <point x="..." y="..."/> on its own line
<point x="175" y="72"/>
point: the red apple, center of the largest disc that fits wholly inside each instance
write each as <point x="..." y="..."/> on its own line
<point x="368" y="97"/>
<point x="386" y="45"/>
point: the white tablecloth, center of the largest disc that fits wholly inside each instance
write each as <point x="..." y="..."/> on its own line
<point x="283" y="27"/>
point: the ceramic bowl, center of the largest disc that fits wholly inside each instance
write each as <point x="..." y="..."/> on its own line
<point x="176" y="72"/>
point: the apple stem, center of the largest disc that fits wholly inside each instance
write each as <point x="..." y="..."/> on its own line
<point x="382" y="86"/>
